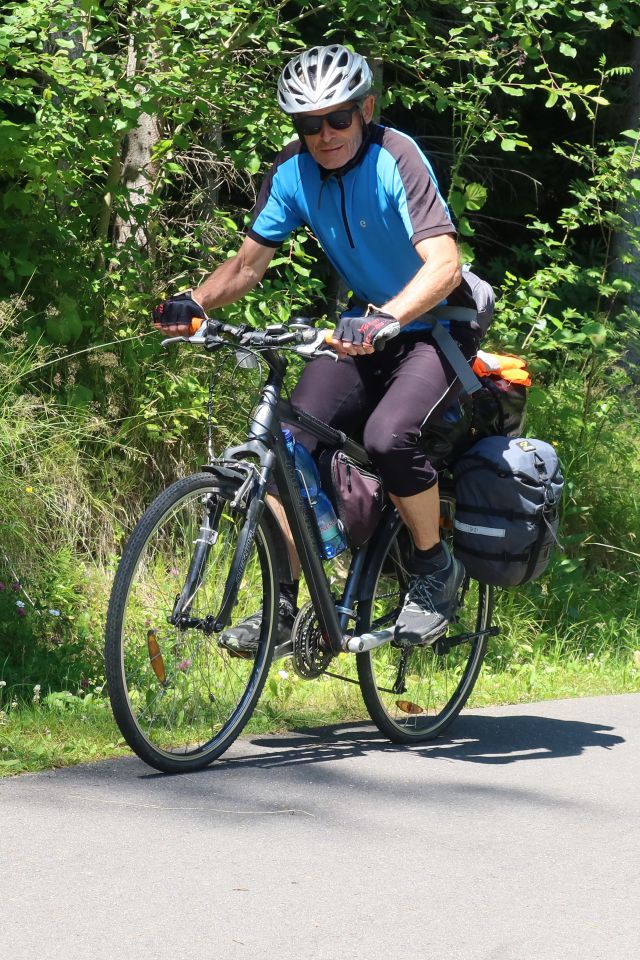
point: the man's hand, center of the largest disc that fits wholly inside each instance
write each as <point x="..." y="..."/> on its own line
<point x="176" y="314"/>
<point x="357" y="336"/>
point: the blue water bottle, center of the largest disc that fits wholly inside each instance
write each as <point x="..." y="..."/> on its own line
<point x="333" y="541"/>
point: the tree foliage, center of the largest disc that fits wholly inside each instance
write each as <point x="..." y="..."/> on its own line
<point x="82" y="77"/>
<point x="133" y="138"/>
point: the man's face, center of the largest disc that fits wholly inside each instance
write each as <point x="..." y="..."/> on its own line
<point x="333" y="148"/>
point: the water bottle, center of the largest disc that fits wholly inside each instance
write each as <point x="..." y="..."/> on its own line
<point x="333" y="541"/>
<point x="306" y="469"/>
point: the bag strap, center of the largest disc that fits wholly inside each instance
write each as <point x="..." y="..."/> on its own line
<point x="446" y="311"/>
<point x="453" y="353"/>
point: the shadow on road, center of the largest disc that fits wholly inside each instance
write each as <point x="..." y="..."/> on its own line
<point x="477" y="739"/>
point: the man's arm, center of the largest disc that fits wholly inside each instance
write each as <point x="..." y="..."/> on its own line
<point x="439" y="275"/>
<point x="230" y="281"/>
<point x="236" y="276"/>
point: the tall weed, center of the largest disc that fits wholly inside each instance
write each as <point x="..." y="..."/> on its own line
<point x="56" y="524"/>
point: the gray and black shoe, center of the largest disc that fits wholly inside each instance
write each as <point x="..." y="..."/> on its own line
<point x="429" y="604"/>
<point x="242" y="639"/>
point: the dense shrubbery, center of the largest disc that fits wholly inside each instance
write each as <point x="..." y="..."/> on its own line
<point x="524" y="118"/>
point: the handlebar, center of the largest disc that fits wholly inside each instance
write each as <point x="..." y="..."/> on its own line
<point x="212" y="333"/>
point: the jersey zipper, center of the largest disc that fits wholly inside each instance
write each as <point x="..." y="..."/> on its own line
<point x="343" y="206"/>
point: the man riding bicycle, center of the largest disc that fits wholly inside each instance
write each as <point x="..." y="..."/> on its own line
<point x="371" y="199"/>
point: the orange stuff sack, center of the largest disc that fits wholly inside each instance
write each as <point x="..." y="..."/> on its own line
<point x="502" y="366"/>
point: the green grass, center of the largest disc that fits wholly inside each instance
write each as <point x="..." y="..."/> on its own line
<point x="64" y="729"/>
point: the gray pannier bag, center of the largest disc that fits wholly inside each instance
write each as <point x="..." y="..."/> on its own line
<point x="508" y="495"/>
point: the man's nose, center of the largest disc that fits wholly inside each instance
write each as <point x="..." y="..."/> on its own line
<point x="326" y="132"/>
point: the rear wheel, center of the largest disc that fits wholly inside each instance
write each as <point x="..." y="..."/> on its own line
<point x="179" y="698"/>
<point x="414" y="696"/>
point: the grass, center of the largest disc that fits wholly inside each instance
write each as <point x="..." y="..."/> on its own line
<point x="574" y="633"/>
<point x="65" y="729"/>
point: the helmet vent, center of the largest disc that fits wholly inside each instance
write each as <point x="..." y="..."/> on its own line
<point x="322" y="77"/>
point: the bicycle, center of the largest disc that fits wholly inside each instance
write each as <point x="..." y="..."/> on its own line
<point x="208" y="552"/>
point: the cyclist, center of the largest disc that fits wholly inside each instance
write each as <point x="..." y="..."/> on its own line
<point x="370" y="197"/>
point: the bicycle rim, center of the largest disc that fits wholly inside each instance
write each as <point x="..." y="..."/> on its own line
<point x="179" y="698"/>
<point x="438" y="679"/>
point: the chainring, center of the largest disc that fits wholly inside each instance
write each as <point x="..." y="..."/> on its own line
<point x="310" y="655"/>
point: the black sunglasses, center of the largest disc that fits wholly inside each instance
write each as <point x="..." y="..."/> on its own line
<point x="338" y="120"/>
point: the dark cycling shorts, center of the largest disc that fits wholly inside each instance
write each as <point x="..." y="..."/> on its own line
<point x="384" y="399"/>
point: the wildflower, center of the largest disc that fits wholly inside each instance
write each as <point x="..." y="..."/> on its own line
<point x="184" y="664"/>
<point x="28" y="489"/>
<point x="283" y="674"/>
<point x="589" y="656"/>
<point x="3" y="683"/>
<point x="20" y="604"/>
<point x="54" y="613"/>
<point x="21" y="612"/>
<point x="5" y="749"/>
<point x="3" y="586"/>
<point x="15" y="586"/>
<point x="36" y="694"/>
<point x="4" y="719"/>
<point x="84" y="683"/>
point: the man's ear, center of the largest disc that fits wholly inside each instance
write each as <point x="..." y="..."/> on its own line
<point x="368" y="107"/>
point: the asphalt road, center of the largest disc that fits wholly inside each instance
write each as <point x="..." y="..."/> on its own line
<point x="517" y="838"/>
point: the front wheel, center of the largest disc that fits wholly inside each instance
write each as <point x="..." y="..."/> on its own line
<point x="417" y="699"/>
<point x="178" y="696"/>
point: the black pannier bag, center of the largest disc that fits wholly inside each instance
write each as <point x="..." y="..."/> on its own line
<point x="498" y="409"/>
<point x="356" y="494"/>
<point x="508" y="493"/>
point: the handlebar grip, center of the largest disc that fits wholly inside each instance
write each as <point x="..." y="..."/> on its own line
<point x="194" y="326"/>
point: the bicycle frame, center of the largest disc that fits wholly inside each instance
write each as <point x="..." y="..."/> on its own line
<point x="266" y="444"/>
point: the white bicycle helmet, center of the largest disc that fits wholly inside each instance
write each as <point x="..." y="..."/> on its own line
<point x="322" y="76"/>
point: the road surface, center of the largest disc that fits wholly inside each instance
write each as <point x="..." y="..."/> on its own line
<point x="516" y="838"/>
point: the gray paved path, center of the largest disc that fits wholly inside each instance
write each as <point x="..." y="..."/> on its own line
<point x="516" y="839"/>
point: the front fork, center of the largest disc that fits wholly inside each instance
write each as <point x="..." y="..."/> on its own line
<point x="207" y="536"/>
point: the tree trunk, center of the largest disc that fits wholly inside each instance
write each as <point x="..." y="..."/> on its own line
<point x="138" y="172"/>
<point x="626" y="245"/>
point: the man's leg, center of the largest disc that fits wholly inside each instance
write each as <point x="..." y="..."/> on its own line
<point x="418" y="383"/>
<point x="333" y="392"/>
<point x="421" y="514"/>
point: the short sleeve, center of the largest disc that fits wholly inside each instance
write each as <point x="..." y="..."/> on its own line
<point x="413" y="188"/>
<point x="275" y="215"/>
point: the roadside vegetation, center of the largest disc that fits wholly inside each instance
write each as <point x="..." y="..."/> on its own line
<point x="529" y="113"/>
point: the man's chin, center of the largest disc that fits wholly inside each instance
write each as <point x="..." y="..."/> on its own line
<point x="332" y="160"/>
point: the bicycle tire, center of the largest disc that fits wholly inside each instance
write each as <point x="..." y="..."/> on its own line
<point x="439" y="678"/>
<point x="180" y="712"/>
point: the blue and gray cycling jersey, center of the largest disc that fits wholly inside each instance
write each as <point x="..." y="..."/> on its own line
<point x="368" y="217"/>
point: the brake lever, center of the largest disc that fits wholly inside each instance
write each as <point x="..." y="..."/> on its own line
<point x="199" y="337"/>
<point x="319" y="340"/>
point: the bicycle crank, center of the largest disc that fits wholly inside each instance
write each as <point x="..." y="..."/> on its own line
<point x="369" y="641"/>
<point x="311" y="656"/>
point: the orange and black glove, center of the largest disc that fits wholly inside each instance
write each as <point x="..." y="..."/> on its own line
<point x="179" y="310"/>
<point x="373" y="330"/>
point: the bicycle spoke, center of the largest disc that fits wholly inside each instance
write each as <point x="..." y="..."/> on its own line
<point x="203" y="694"/>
